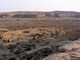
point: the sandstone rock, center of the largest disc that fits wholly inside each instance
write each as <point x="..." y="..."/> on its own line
<point x="11" y="35"/>
<point x="64" y="56"/>
<point x="61" y="56"/>
<point x="3" y="30"/>
<point x="70" y="46"/>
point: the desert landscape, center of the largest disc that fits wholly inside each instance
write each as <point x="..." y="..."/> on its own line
<point x="40" y="35"/>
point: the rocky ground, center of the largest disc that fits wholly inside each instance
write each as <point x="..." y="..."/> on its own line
<point x="40" y="35"/>
<point x="39" y="44"/>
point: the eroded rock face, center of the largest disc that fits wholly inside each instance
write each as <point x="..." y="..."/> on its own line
<point x="24" y="50"/>
<point x="68" y="51"/>
<point x="10" y="36"/>
<point x="54" y="14"/>
<point x="70" y="46"/>
<point x="38" y="44"/>
<point x="35" y="33"/>
<point x="64" y="56"/>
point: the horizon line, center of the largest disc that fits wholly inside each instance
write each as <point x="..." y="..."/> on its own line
<point x="37" y="11"/>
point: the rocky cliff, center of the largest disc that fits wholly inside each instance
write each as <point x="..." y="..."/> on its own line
<point x="53" y="14"/>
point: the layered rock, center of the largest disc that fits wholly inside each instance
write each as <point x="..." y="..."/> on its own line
<point x="40" y="15"/>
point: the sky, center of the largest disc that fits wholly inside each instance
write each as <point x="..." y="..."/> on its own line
<point x="39" y="5"/>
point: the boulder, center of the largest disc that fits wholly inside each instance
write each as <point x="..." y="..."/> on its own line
<point x="69" y="47"/>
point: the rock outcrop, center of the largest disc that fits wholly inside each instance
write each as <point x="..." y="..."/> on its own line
<point x="39" y="44"/>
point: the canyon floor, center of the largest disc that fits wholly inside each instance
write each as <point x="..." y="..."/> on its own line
<point x="39" y="39"/>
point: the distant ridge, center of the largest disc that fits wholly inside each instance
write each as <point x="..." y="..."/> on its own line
<point x="37" y="14"/>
